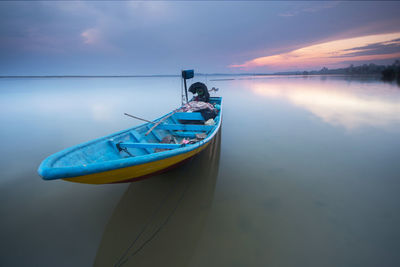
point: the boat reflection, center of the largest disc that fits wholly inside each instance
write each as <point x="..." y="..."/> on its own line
<point x="162" y="216"/>
<point x="338" y="102"/>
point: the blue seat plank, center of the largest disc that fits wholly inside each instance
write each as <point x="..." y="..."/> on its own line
<point x="157" y="135"/>
<point x="186" y="127"/>
<point x="154" y="133"/>
<point x="173" y="119"/>
<point x="140" y="138"/>
<point x="149" y="145"/>
<point x="193" y="116"/>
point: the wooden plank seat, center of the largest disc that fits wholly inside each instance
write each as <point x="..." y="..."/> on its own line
<point x="157" y="135"/>
<point x="192" y="116"/>
<point x="138" y="138"/>
<point x="185" y="127"/>
<point x="188" y="118"/>
<point x="149" y="145"/>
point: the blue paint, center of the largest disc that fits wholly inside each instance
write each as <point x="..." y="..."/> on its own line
<point x="188" y="116"/>
<point x="101" y="154"/>
<point x="137" y="137"/>
<point x="150" y="145"/>
<point x="186" y="127"/>
<point x="157" y="136"/>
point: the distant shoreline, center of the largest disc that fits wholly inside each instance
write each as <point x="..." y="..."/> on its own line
<point x="370" y="70"/>
<point x="170" y="76"/>
<point x="84" y="76"/>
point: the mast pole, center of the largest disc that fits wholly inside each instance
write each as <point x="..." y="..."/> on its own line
<point x="187" y="100"/>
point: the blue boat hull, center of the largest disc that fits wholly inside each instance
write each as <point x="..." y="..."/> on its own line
<point x="131" y="154"/>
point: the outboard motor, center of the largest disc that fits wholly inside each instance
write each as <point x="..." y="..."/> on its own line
<point x="201" y="90"/>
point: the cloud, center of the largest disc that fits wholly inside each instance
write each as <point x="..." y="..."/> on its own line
<point x="307" y="8"/>
<point x="381" y="48"/>
<point x="332" y="53"/>
<point x="145" y="37"/>
<point x="91" y="36"/>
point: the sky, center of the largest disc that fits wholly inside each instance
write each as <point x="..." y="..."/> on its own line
<point x="161" y="37"/>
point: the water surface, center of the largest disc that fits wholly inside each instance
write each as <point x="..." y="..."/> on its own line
<point x="305" y="172"/>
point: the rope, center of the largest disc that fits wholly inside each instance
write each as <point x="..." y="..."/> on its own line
<point x="121" y="262"/>
<point x="146" y="225"/>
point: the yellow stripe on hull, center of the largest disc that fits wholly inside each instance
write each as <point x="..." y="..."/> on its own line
<point x="137" y="171"/>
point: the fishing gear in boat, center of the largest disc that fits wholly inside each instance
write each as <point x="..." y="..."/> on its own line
<point x="123" y="149"/>
<point x="201" y="90"/>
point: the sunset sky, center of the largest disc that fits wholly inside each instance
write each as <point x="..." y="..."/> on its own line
<point x="118" y="38"/>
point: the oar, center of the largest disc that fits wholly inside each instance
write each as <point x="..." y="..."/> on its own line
<point x="138" y="118"/>
<point x="158" y="123"/>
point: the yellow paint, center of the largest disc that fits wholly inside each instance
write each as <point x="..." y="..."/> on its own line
<point x="123" y="174"/>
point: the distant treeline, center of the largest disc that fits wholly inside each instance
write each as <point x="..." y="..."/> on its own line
<point x="387" y="73"/>
<point x="392" y="72"/>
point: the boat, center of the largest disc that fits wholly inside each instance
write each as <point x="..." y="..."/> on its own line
<point x="141" y="151"/>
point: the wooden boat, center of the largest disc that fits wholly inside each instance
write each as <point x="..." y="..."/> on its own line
<point x="135" y="153"/>
<point x="130" y="154"/>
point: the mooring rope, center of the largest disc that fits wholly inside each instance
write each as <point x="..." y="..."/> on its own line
<point x="121" y="260"/>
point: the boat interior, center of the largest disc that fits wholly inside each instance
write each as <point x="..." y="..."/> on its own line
<point x="174" y="130"/>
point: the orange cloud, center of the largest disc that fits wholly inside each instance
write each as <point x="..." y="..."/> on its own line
<point x="330" y="53"/>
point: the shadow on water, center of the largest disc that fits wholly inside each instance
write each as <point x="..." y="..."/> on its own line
<point x="162" y="216"/>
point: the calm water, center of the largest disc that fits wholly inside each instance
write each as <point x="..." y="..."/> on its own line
<point x="305" y="172"/>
